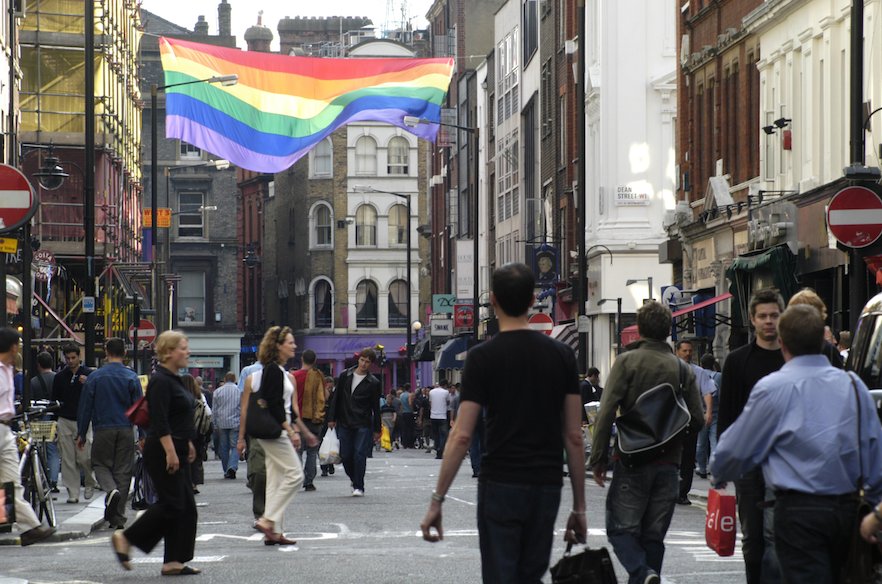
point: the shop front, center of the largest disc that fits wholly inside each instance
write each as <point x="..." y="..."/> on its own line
<point x="212" y="355"/>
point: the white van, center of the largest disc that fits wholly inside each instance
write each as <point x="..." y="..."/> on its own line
<point x="865" y="356"/>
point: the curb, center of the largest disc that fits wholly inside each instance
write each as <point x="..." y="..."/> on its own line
<point x="78" y="526"/>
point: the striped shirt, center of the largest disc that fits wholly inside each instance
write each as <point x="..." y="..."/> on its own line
<point x="225" y="413"/>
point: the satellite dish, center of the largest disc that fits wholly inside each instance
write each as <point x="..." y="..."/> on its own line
<point x="672" y="296"/>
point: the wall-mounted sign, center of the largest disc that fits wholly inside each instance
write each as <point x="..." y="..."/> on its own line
<point x="205" y="362"/>
<point x="443" y="303"/>
<point x="628" y="197"/>
<point x="441" y="327"/>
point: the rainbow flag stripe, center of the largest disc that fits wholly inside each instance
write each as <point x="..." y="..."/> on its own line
<point x="283" y="106"/>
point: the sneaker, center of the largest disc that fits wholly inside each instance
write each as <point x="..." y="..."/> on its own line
<point x="36" y="534"/>
<point x="681" y="501"/>
<point x="230" y="474"/>
<point x="309" y="488"/>
<point x="324" y="473"/>
<point x="331" y="469"/>
<point x="111" y="503"/>
<point x="700" y="474"/>
<point x="73" y="500"/>
<point x="652" y="578"/>
<point x="88" y="493"/>
<point x="55" y="488"/>
<point x="357" y="493"/>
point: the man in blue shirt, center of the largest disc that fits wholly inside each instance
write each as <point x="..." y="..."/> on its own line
<point x="800" y="425"/>
<point x="225" y="414"/>
<point x="108" y="393"/>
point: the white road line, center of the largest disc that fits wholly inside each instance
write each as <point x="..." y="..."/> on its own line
<point x="196" y="560"/>
<point x="460" y="500"/>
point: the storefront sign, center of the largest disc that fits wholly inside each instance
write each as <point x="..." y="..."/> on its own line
<point x="465" y="268"/>
<point x="443" y="303"/>
<point x="198" y="362"/>
<point x="702" y="257"/>
<point x="441" y="327"/>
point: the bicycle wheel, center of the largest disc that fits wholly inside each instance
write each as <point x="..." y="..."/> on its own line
<point x="44" y="505"/>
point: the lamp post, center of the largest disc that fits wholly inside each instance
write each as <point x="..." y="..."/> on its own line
<point x="409" y="355"/>
<point x="648" y="280"/>
<point x="225" y="80"/>
<point x="618" y="302"/>
<point x="476" y="167"/>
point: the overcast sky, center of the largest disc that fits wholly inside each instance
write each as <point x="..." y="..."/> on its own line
<point x="244" y="12"/>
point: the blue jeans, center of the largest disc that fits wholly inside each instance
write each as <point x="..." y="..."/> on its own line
<point x="53" y="459"/>
<point x="439" y="435"/>
<point x="515" y="530"/>
<point x="639" y="508"/>
<point x="311" y="454"/>
<point x="226" y="448"/>
<point x="707" y="443"/>
<point x="355" y="445"/>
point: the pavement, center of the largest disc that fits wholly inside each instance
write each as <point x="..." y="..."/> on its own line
<point x="75" y="521"/>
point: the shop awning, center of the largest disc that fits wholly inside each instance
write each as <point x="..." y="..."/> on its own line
<point x="630" y="334"/>
<point x="702" y="304"/>
<point x="567" y="334"/>
<point x="451" y="355"/>
<point x="775" y="266"/>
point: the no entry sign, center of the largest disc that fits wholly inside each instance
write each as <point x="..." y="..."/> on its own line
<point x="854" y="216"/>
<point x="146" y="332"/>
<point x="541" y="322"/>
<point x="17" y="201"/>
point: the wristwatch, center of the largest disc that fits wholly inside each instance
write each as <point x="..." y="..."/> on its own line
<point x="437" y="498"/>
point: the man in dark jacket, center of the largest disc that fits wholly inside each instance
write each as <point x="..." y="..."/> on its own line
<point x="354" y="411"/>
<point x="109" y="392"/>
<point x="641" y="499"/>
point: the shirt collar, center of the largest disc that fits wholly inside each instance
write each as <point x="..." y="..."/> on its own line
<point x="817" y="360"/>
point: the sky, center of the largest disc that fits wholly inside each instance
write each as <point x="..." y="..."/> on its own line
<point x="244" y="12"/>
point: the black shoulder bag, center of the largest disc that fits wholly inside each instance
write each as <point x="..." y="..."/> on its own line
<point x="864" y="559"/>
<point x="586" y="567"/>
<point x="259" y="420"/>
<point x="651" y="427"/>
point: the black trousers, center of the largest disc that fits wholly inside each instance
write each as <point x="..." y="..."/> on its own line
<point x="173" y="517"/>
<point x="812" y="534"/>
<point x="687" y="463"/>
<point x="406" y="424"/>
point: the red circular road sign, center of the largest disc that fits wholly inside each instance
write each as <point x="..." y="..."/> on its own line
<point x="541" y="322"/>
<point x="146" y="332"/>
<point x="854" y="216"/>
<point x="17" y="201"/>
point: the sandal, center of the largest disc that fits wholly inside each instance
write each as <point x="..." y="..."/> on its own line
<point x="279" y="539"/>
<point x="122" y="557"/>
<point x="182" y="571"/>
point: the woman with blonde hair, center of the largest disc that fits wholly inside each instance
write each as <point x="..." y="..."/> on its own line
<point x="811" y="298"/>
<point x="168" y="452"/>
<point x="284" y="474"/>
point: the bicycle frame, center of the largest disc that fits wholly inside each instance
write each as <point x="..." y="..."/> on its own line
<point x="34" y="471"/>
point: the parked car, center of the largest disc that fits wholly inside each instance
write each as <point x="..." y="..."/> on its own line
<point x="865" y="356"/>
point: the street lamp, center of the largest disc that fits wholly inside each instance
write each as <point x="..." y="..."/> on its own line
<point x="647" y="280"/>
<point x="226" y="81"/>
<point x="618" y="302"/>
<point x="370" y="189"/>
<point x="413" y="121"/>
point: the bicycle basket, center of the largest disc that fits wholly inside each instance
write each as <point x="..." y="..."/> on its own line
<point x="43" y="430"/>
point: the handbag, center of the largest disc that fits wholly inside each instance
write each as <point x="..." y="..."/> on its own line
<point x="719" y="526"/>
<point x="650" y="428"/>
<point x="138" y="413"/>
<point x="259" y="422"/>
<point x="589" y="566"/>
<point x="864" y="561"/>
<point x="7" y="503"/>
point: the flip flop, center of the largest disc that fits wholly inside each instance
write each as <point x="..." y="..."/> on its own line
<point x="182" y="571"/>
<point x="122" y="557"/>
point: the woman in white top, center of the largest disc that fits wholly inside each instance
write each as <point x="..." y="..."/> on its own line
<point x="284" y="474"/>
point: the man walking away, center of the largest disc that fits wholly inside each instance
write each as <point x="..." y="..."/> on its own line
<point x="67" y="388"/>
<point x="800" y="425"/>
<point x="519" y="489"/>
<point x="41" y="388"/>
<point x="33" y="531"/>
<point x="108" y="393"/>
<point x="225" y="415"/>
<point x="742" y="369"/>
<point x="707" y="438"/>
<point x="355" y="413"/>
<point x="405" y="420"/>
<point x="311" y="394"/>
<point x="256" y="458"/>
<point x="641" y="498"/>
<point x="439" y="398"/>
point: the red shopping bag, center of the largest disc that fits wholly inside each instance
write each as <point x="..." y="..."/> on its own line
<point x="719" y="529"/>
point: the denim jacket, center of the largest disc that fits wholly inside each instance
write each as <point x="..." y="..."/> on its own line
<point x="108" y="393"/>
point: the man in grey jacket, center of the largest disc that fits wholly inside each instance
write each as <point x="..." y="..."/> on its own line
<point x="641" y="498"/>
<point x="108" y="393"/>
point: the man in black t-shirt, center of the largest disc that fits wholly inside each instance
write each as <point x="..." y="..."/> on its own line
<point x="742" y="369"/>
<point x="520" y="478"/>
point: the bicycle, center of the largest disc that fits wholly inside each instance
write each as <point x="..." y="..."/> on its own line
<point x="33" y="466"/>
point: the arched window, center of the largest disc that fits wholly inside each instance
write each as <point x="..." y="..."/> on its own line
<point x="366" y="156"/>
<point x="398" y="298"/>
<point x="398" y="224"/>
<point x="321" y="158"/>
<point x="366" y="225"/>
<point x="366" y="304"/>
<point x="322" y="305"/>
<point x="399" y="154"/>
<point x="321" y="224"/>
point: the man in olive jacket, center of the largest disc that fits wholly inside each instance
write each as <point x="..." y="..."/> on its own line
<point x="641" y="499"/>
<point x="354" y="410"/>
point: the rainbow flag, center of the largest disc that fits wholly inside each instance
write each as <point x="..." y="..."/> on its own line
<point x="283" y="106"/>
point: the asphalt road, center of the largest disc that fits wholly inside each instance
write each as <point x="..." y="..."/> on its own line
<point x="350" y="540"/>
